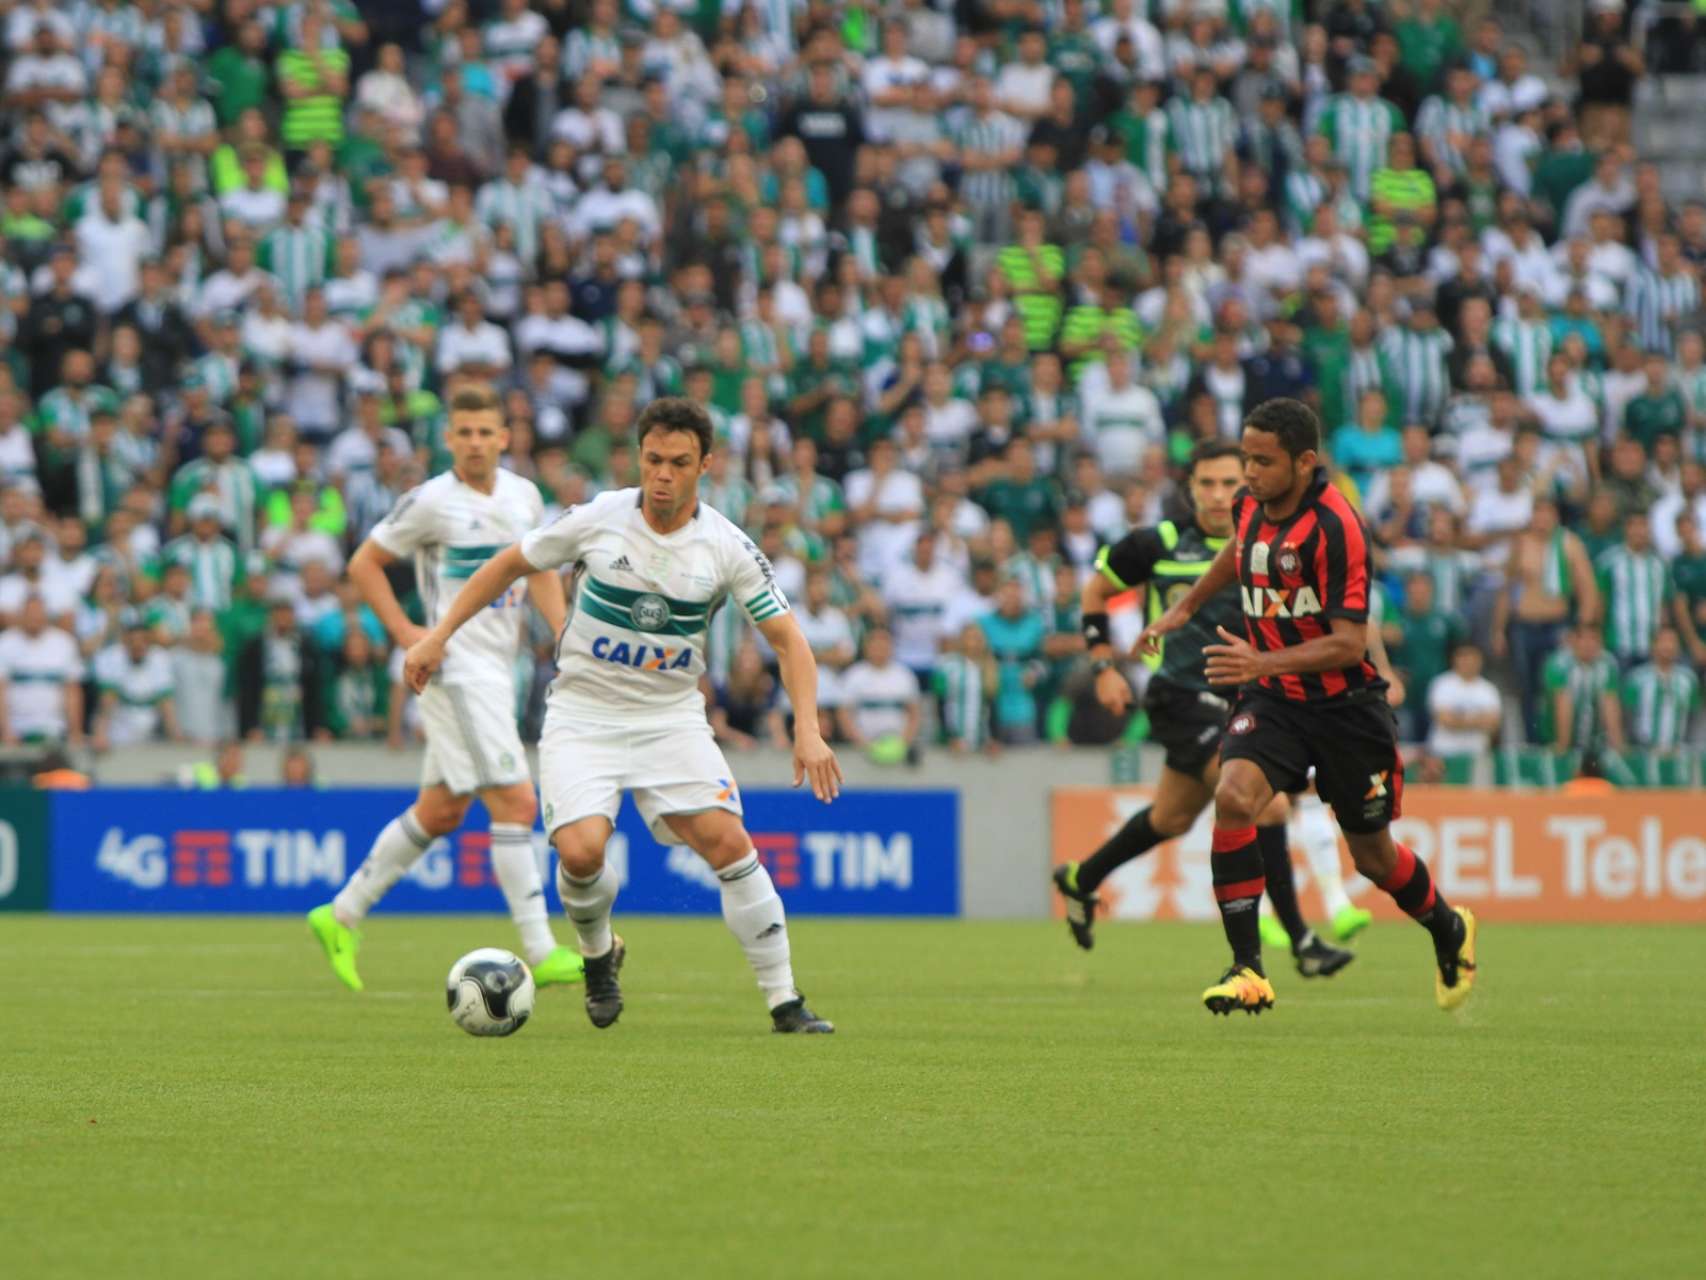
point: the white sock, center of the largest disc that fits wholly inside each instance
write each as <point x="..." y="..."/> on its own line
<point x="1320" y="840"/>
<point x="518" y="875"/>
<point x="588" y="903"/>
<point x="754" y="915"/>
<point x="396" y="849"/>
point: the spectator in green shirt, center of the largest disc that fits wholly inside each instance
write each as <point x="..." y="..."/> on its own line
<point x="1688" y="573"/>
<point x="1081" y="336"/>
<point x="1403" y="205"/>
<point x="1659" y="409"/>
<point x="1582" y="688"/>
<point x="1327" y="346"/>
<point x="1033" y="270"/>
<point x="1020" y="497"/>
<point x="1428" y="39"/>
<point x="814" y="382"/>
<point x="238" y="74"/>
<point x="313" y="82"/>
<point x="1419" y="640"/>
<point x="226" y="164"/>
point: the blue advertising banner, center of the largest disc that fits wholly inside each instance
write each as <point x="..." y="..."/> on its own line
<point x="869" y="853"/>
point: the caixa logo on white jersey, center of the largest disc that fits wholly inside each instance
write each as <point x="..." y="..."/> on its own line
<point x="251" y="858"/>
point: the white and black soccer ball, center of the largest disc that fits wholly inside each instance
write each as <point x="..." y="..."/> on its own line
<point x="490" y="992"/>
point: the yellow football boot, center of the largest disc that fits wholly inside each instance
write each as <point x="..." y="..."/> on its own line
<point x="1240" y="987"/>
<point x="1455" y="979"/>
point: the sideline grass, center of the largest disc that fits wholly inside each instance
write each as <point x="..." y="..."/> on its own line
<point x="184" y="1098"/>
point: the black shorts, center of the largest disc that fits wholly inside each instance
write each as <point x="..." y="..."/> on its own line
<point x="1187" y="724"/>
<point x="1351" y="742"/>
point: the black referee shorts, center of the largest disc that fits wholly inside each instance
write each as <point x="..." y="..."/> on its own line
<point x="1351" y="742"/>
<point x="1186" y="723"/>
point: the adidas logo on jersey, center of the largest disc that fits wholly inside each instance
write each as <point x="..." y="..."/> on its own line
<point x="620" y="565"/>
<point x="642" y="657"/>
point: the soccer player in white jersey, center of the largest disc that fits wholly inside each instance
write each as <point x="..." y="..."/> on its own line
<point x="625" y="714"/>
<point x="451" y="525"/>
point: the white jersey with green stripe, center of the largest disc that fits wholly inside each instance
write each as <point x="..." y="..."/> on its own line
<point x="451" y="530"/>
<point x="634" y="647"/>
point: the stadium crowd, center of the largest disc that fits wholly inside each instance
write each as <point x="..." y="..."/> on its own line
<point x="961" y="283"/>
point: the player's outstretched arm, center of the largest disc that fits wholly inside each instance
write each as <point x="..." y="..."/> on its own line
<point x="1217" y="577"/>
<point x="489" y="582"/>
<point x="813" y="759"/>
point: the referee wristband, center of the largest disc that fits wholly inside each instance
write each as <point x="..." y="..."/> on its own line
<point x="1096" y="629"/>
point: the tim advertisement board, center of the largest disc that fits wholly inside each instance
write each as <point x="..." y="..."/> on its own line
<point x="1631" y="857"/>
<point x="869" y="853"/>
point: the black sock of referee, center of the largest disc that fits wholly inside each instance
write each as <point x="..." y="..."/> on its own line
<point x="1136" y="837"/>
<point x="1281" y="887"/>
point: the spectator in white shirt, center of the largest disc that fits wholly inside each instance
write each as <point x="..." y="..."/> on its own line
<point x="112" y="245"/>
<point x="322" y="353"/>
<point x="590" y="127"/>
<point x="830" y="636"/>
<point x="1272" y="269"/>
<point x="886" y="504"/>
<point x="1022" y="89"/>
<point x="472" y="345"/>
<point x="1515" y="90"/>
<point x="356" y="449"/>
<point x="1124" y="20"/>
<point x="602" y="208"/>
<point x="880" y="702"/>
<point x="948" y="420"/>
<point x="41" y="680"/>
<point x="574" y="344"/>
<point x="1121" y="415"/>
<point x="916" y="592"/>
<point x="46" y="79"/>
<point x="1464" y="706"/>
<point x="386" y="91"/>
<point x="29" y="580"/>
<point x="890" y="79"/>
<point x="255" y="204"/>
<point x="231" y="288"/>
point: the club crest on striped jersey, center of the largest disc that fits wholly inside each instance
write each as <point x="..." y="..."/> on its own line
<point x="650" y="612"/>
<point x="1288" y="561"/>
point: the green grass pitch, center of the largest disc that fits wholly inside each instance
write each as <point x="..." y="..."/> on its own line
<point x="186" y="1098"/>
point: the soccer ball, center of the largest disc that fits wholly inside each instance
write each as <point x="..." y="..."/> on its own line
<point x="490" y="992"/>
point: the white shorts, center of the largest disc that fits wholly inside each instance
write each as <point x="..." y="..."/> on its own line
<point x="584" y="769"/>
<point x="472" y="743"/>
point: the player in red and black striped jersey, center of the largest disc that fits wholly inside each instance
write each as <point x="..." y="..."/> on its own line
<point x="1310" y="698"/>
<point x="1186" y="716"/>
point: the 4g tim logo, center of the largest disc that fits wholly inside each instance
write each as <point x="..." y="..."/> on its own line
<point x="217" y="859"/>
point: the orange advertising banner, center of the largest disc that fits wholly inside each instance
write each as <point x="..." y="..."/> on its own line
<point x="1631" y="857"/>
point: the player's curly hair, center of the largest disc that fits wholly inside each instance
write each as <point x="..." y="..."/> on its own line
<point x="676" y="413"/>
<point x="1291" y="421"/>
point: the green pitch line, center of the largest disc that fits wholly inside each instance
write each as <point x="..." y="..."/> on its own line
<point x="189" y="1098"/>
